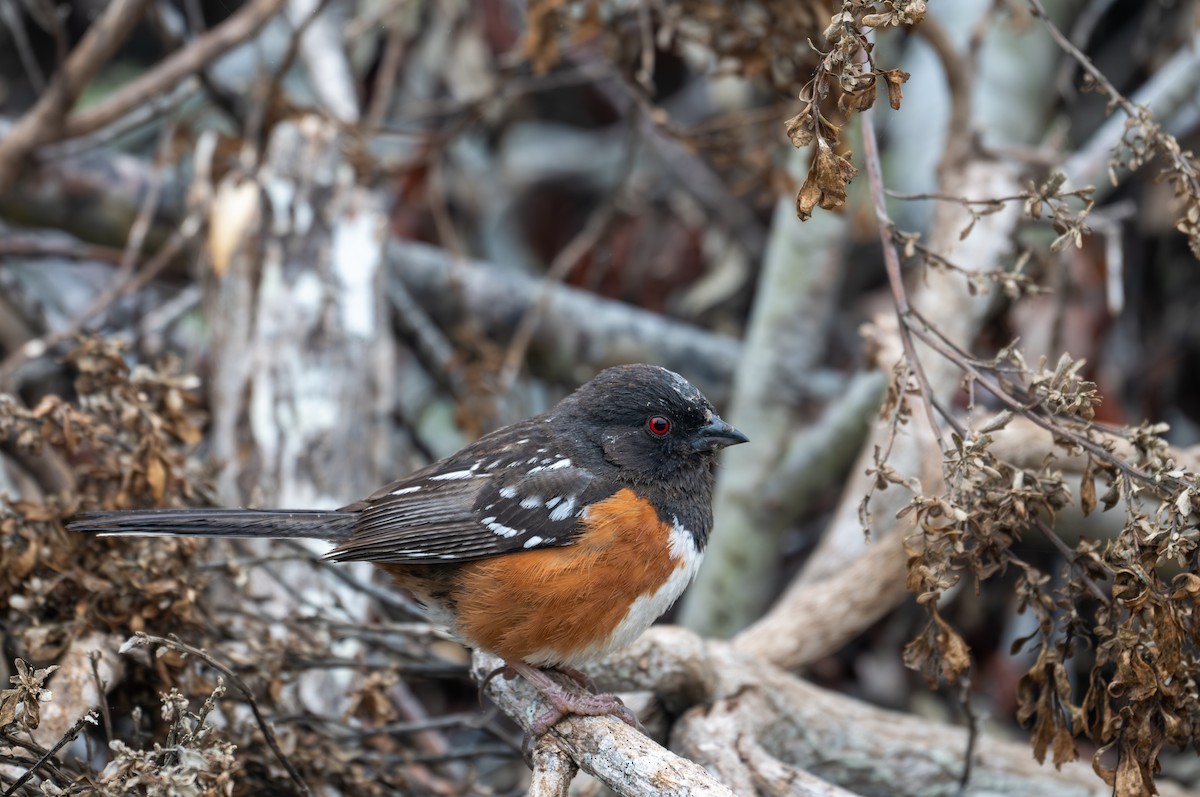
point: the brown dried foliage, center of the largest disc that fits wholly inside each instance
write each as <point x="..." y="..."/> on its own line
<point x="130" y="438"/>
<point x="1127" y="605"/>
<point x="845" y="81"/>
<point x="765" y="41"/>
<point x="759" y="39"/>
<point x="127" y="440"/>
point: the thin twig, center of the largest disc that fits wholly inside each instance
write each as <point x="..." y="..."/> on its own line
<point x="153" y="109"/>
<point x="122" y="281"/>
<point x="101" y="694"/>
<point x="28" y="248"/>
<point x="385" y="82"/>
<point x="385" y="597"/>
<point x="47" y="119"/>
<point x="15" y="22"/>
<point x="928" y="335"/>
<point x="645" y="73"/>
<point x="1065" y="551"/>
<point x="129" y="285"/>
<point x="67" y="737"/>
<point x="145" y="216"/>
<point x="1184" y="167"/>
<point x="961" y="200"/>
<point x="891" y="261"/>
<point x="434" y="350"/>
<point x="141" y="639"/>
<point x="964" y="781"/>
<point x="240" y="26"/>
<point x="1067" y="46"/>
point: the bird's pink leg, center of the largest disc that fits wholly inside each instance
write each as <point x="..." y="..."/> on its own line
<point x="565" y="702"/>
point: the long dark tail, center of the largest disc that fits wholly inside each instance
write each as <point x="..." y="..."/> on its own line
<point x="311" y="524"/>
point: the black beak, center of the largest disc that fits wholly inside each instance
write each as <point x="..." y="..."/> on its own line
<point x="717" y="434"/>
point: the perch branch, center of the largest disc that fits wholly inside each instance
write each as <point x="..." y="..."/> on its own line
<point x="621" y="757"/>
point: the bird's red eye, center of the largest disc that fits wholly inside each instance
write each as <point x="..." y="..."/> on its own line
<point x="658" y="426"/>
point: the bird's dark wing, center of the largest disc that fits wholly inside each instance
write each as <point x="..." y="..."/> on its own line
<point x="473" y="509"/>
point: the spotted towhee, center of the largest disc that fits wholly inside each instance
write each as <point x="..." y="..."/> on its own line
<point x="548" y="542"/>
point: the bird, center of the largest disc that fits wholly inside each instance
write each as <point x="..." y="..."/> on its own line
<point x="549" y="542"/>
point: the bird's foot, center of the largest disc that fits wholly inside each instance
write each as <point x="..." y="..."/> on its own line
<point x="582" y="705"/>
<point x="565" y="702"/>
<point x="580" y="677"/>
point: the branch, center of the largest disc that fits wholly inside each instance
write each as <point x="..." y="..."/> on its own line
<point x="553" y="770"/>
<point x="44" y="122"/>
<point x="1167" y="95"/>
<point x="239" y="27"/>
<point x="575" y="328"/>
<point x="780" y="724"/>
<point x="619" y="756"/>
<point x="788" y="325"/>
<point x="812" y="620"/>
<point x="891" y="263"/>
<point x="66" y="739"/>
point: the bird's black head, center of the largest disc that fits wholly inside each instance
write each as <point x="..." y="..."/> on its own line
<point x="652" y="424"/>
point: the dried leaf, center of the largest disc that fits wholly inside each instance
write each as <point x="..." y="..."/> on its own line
<point x="861" y="99"/>
<point x="953" y="650"/>
<point x="1064" y="749"/>
<point x="895" y="78"/>
<point x="234" y="215"/>
<point x="1087" y="489"/>
<point x="799" y="130"/>
<point x="1187" y="585"/>
<point x="1111" y="495"/>
<point x="156" y="477"/>
<point x="1183" y="503"/>
<point x="1131" y="777"/>
<point x="997" y="423"/>
<point x="825" y="185"/>
<point x="543" y="20"/>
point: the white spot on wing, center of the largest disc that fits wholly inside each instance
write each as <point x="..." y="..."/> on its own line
<point x="532" y="541"/>
<point x="508" y="492"/>
<point x="532" y="502"/>
<point x="500" y="528"/>
<point x="563" y="510"/>
<point x="551" y="503"/>
<point x="562" y="463"/>
<point x="406" y="490"/>
<point x="452" y="475"/>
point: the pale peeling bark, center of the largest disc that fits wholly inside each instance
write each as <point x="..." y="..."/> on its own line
<point x="301" y="338"/>
<point x="302" y="352"/>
